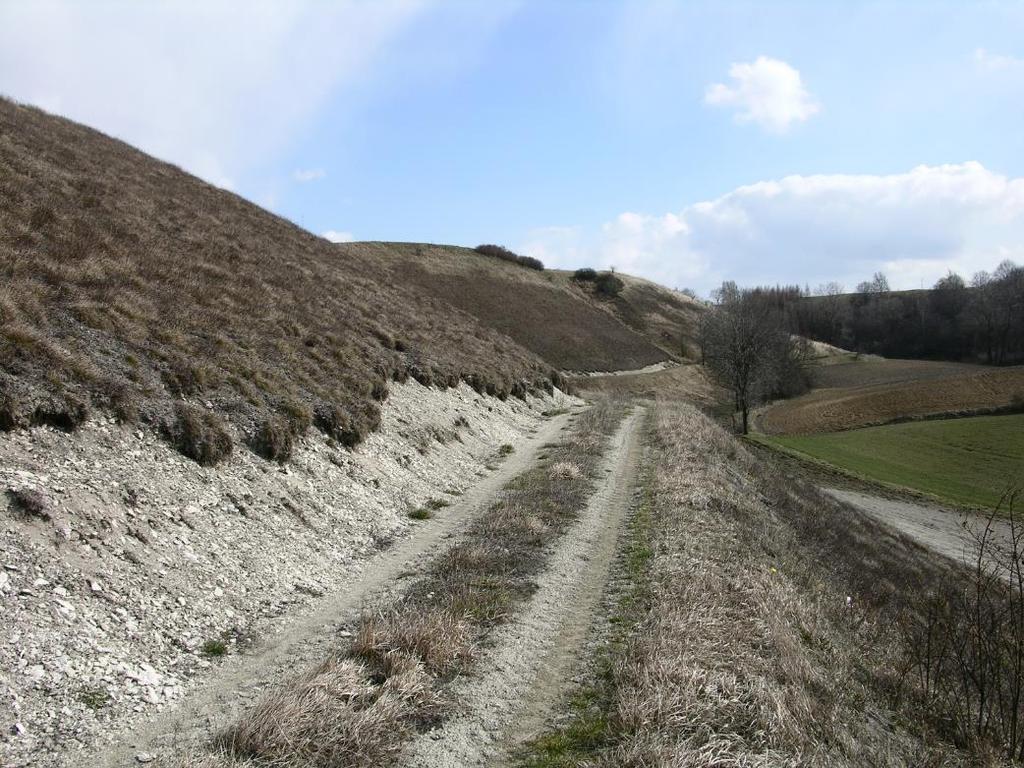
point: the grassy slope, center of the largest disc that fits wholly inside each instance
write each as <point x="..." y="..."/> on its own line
<point x="966" y="461"/>
<point x="733" y="641"/>
<point x="547" y="312"/>
<point x="127" y="284"/>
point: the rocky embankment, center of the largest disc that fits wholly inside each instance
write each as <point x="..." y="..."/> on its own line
<point x="127" y="570"/>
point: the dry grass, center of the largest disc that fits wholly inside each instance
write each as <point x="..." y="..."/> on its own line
<point x="685" y="382"/>
<point x="764" y="632"/>
<point x="128" y="285"/>
<point x="560" y="319"/>
<point x="875" y="393"/>
<point x="359" y="707"/>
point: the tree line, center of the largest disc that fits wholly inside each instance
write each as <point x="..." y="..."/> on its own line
<point x="979" y="321"/>
<point x="754" y="342"/>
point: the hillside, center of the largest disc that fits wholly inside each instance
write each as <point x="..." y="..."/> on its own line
<point x="549" y="313"/>
<point x="130" y="286"/>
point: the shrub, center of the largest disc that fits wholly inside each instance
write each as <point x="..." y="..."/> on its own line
<point x="379" y="391"/>
<point x="214" y="648"/>
<point x="334" y="422"/>
<point x="184" y="378"/>
<point x="607" y="284"/>
<point x="66" y="415"/>
<point x="500" y="252"/>
<point x="584" y="275"/>
<point x="12" y="412"/>
<point x="29" y="502"/>
<point x="300" y="417"/>
<point x="421" y="513"/>
<point x="200" y="435"/>
<point x="274" y="440"/>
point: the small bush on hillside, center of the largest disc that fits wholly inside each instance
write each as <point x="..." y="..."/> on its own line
<point x="214" y="648"/>
<point x="29" y="502"/>
<point x="200" y="435"/>
<point x="334" y="422"/>
<point x="500" y="252"/>
<point x="299" y="416"/>
<point x="584" y="275"/>
<point x="12" y="412"/>
<point x="379" y="391"/>
<point x="607" y="284"/>
<point x="274" y="440"/>
<point x="67" y="414"/>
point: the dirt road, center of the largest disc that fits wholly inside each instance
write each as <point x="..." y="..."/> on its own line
<point x="935" y="527"/>
<point x="530" y="659"/>
<point x="305" y="639"/>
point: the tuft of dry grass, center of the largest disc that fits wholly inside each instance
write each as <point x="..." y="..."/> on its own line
<point x="199" y="434"/>
<point x="29" y="503"/>
<point x="336" y="714"/>
<point x="125" y="280"/>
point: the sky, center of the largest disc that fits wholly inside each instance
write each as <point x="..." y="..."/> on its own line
<point x="687" y="142"/>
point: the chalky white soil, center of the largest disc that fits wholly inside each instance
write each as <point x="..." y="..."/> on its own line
<point x="145" y="556"/>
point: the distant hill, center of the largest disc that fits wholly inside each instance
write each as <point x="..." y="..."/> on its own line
<point x="562" y="320"/>
<point x="130" y="286"/>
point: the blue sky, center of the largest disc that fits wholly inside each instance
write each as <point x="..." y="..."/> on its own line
<point x="687" y="142"/>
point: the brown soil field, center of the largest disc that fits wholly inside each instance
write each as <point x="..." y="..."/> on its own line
<point x="876" y="370"/>
<point x="883" y="392"/>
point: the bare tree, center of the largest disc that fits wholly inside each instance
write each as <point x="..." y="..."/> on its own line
<point x="747" y="348"/>
<point x="966" y="646"/>
<point x="878" y="283"/>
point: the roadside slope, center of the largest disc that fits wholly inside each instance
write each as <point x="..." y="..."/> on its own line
<point x="308" y="637"/>
<point x="756" y="626"/>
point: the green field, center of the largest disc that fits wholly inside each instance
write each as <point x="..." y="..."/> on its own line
<point x="965" y="461"/>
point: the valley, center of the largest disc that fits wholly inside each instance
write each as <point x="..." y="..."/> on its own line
<point x="271" y="501"/>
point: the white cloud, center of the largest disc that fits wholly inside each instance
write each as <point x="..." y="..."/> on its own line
<point x="766" y="91"/>
<point x="338" y="237"/>
<point x="303" y="176"/>
<point x="996" y="62"/>
<point x="213" y="85"/>
<point x="809" y="229"/>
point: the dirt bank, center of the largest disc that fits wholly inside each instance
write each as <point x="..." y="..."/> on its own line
<point x="142" y="568"/>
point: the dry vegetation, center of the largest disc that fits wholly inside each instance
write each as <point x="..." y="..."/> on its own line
<point x="567" y="322"/>
<point x="885" y="392"/>
<point x="765" y="626"/>
<point x="128" y="285"/>
<point x="359" y="707"/>
<point x="686" y="382"/>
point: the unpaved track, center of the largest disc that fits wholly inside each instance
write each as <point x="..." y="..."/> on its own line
<point x="934" y="527"/>
<point x="308" y="638"/>
<point x="530" y="660"/>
